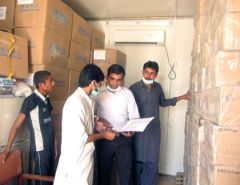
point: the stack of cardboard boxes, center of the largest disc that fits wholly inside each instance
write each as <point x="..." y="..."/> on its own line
<point x="79" y="50"/>
<point x="13" y="49"/>
<point x="215" y="87"/>
<point x="47" y="25"/>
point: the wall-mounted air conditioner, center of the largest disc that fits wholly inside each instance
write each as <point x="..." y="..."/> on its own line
<point x="136" y="37"/>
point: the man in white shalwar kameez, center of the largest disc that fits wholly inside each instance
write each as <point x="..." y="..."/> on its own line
<point x="76" y="161"/>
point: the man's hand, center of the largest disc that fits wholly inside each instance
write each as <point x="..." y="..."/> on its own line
<point x="184" y="97"/>
<point x="101" y="125"/>
<point x="127" y="134"/>
<point x="3" y="156"/>
<point x="109" y="135"/>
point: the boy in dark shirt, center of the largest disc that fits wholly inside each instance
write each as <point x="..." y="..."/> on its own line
<point x="36" y="113"/>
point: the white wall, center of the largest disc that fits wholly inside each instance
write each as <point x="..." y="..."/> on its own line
<point x="179" y="39"/>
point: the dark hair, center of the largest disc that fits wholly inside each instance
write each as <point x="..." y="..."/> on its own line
<point x="40" y="77"/>
<point x="89" y="73"/>
<point x="151" y="64"/>
<point x="116" y="69"/>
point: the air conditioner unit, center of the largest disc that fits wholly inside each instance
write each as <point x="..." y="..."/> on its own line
<point x="136" y="37"/>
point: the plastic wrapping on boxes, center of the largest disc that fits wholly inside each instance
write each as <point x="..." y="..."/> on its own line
<point x="220" y="8"/>
<point x="205" y="55"/>
<point x="217" y="174"/>
<point x="222" y="144"/>
<point x="193" y="143"/>
<point x="196" y="44"/>
<point x="201" y="79"/>
<point x="200" y="23"/>
<point x="223" y="105"/>
<point x="201" y="7"/>
<point x="227" y="36"/>
<point x="225" y="69"/>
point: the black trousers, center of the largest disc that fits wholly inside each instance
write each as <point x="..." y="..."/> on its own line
<point x="44" y="164"/>
<point x="120" y="149"/>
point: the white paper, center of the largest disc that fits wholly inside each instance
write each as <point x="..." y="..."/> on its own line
<point x="3" y="12"/>
<point x="136" y="125"/>
<point x="99" y="55"/>
<point x="22" y="2"/>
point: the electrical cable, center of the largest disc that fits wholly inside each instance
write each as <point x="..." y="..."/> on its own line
<point x="172" y="74"/>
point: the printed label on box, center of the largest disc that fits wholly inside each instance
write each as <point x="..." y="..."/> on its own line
<point x="22" y="2"/>
<point x="3" y="12"/>
<point x="99" y="55"/>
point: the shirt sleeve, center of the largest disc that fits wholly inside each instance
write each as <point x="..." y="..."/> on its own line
<point x="133" y="112"/>
<point x="166" y="102"/>
<point x="27" y="106"/>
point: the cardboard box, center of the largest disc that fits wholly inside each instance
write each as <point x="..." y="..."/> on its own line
<point x="7" y="30"/>
<point x="19" y="57"/>
<point x="227" y="36"/>
<point x="106" y="57"/>
<point x="46" y="46"/>
<point x="225" y="69"/>
<point x="53" y="14"/>
<point x="7" y="8"/>
<point x="79" y="56"/>
<point x="81" y="31"/>
<point x="73" y="81"/>
<point x="98" y="39"/>
<point x="60" y="76"/>
<point x="220" y="8"/>
<point x="211" y="174"/>
<point x="222" y="144"/>
<point x="57" y="115"/>
<point x="223" y="106"/>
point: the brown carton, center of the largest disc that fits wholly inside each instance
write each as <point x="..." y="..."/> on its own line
<point x="60" y="76"/>
<point x="81" y="31"/>
<point x="225" y="69"/>
<point x="223" y="106"/>
<point x="53" y="14"/>
<point x="46" y="46"/>
<point x="222" y="144"/>
<point x="73" y="81"/>
<point x="18" y="62"/>
<point x="79" y="56"/>
<point x="7" y="8"/>
<point x="106" y="57"/>
<point x="211" y="174"/>
<point x="227" y="36"/>
<point x="57" y="115"/>
<point x="98" y="39"/>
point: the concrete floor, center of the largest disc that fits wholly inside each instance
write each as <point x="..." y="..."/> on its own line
<point x="166" y="180"/>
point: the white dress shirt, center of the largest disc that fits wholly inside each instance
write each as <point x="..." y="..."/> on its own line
<point x="116" y="107"/>
<point x="76" y="161"/>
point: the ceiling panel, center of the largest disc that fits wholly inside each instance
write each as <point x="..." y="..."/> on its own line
<point x="122" y="9"/>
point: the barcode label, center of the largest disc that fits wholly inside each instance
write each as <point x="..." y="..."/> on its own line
<point x="22" y="2"/>
<point x="3" y="12"/>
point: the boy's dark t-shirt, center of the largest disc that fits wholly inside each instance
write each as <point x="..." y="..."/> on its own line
<point x="38" y="109"/>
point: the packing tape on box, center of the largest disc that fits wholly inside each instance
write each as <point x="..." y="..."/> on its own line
<point x="12" y="42"/>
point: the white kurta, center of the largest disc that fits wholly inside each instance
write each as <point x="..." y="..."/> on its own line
<point x="76" y="161"/>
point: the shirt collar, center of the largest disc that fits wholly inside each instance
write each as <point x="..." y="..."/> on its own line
<point x="83" y="93"/>
<point x="40" y="95"/>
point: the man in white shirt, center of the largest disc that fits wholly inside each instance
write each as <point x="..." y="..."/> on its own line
<point x="76" y="161"/>
<point x="116" y="105"/>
